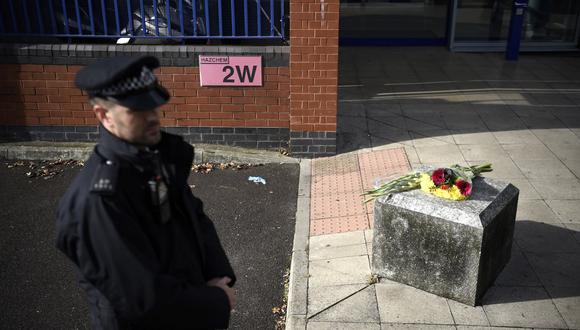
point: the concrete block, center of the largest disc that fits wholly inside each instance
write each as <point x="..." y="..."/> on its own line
<point x="452" y="249"/>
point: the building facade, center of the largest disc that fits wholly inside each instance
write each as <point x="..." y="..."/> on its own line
<point x="294" y="109"/>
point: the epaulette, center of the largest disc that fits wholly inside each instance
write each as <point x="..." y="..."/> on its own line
<point x="105" y="178"/>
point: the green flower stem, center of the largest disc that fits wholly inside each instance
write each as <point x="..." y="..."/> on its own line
<point x="413" y="181"/>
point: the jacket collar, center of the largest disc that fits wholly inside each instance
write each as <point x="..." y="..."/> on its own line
<point x="113" y="148"/>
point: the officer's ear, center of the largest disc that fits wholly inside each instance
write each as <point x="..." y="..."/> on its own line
<point x="102" y="111"/>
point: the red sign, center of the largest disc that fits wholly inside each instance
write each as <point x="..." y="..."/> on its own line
<point x="230" y="70"/>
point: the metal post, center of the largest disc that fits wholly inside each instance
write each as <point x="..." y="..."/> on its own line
<point x="515" y="31"/>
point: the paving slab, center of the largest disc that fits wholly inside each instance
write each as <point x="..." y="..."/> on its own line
<point x="521" y="307"/>
<point x="340" y="183"/>
<point x="503" y="122"/>
<point x="458" y="122"/>
<point x="575" y="228"/>
<point x="411" y="153"/>
<point x="536" y="210"/>
<point x="556" y="269"/>
<point x="503" y="169"/>
<point x="544" y="169"/>
<point x="323" y="297"/>
<point x="573" y="166"/>
<point x="380" y="120"/>
<point x="360" y="307"/>
<point x="369" y="235"/>
<point x="341" y="271"/>
<point x="395" y="326"/>
<point x="540" y="237"/>
<point x="521" y="136"/>
<point x="566" y="152"/>
<point x="490" y="152"/>
<point x="389" y="138"/>
<point x="335" y="165"/>
<point x="377" y="108"/>
<point x="336" y="205"/>
<point x="534" y="122"/>
<point x="518" y="271"/>
<point x="343" y="326"/>
<point x="356" y="124"/>
<point x="464" y="314"/>
<point x="431" y="137"/>
<point x="445" y="153"/>
<point x="339" y="224"/>
<point x="399" y="303"/>
<point x="380" y="164"/>
<point x="350" y="109"/>
<point x="527" y="191"/>
<point x="424" y="121"/>
<point x="567" y="210"/>
<point x="556" y="136"/>
<point x="567" y="301"/>
<point x="339" y="239"/>
<point x="338" y="252"/>
<point x="528" y="151"/>
<point x="350" y="141"/>
<point x="565" y="189"/>
<point x="468" y="327"/>
<point x="469" y="137"/>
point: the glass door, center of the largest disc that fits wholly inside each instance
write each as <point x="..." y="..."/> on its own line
<point x="483" y="25"/>
<point x="393" y="22"/>
<point x="551" y="23"/>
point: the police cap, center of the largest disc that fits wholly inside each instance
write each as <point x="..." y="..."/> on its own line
<point x="128" y="81"/>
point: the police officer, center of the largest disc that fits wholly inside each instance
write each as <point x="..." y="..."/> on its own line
<point x="147" y="255"/>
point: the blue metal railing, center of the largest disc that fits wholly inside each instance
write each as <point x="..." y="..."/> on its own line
<point x="159" y="19"/>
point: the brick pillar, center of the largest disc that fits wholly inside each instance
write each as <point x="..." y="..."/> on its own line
<point x="313" y="76"/>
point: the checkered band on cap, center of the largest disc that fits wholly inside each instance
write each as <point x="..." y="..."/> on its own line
<point x="144" y="80"/>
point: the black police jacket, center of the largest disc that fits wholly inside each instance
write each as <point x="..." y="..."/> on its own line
<point x="140" y="272"/>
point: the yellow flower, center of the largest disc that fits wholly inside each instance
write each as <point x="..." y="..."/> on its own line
<point x="426" y="183"/>
<point x="429" y="187"/>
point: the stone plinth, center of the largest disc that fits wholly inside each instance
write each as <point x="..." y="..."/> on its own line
<point x="449" y="248"/>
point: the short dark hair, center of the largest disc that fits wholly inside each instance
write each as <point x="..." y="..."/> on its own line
<point x="105" y="102"/>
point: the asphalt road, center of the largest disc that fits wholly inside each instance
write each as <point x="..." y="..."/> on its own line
<point x="255" y="223"/>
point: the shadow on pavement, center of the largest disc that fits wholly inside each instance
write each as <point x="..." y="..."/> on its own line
<point x="545" y="264"/>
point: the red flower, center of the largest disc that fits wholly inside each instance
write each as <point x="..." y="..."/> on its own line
<point x="464" y="187"/>
<point x="438" y="176"/>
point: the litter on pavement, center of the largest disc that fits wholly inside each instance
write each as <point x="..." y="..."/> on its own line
<point x="257" y="179"/>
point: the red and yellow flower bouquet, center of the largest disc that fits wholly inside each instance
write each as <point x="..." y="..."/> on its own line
<point x="453" y="182"/>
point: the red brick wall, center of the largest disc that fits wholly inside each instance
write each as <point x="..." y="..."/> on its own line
<point x="45" y="95"/>
<point x="313" y="65"/>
